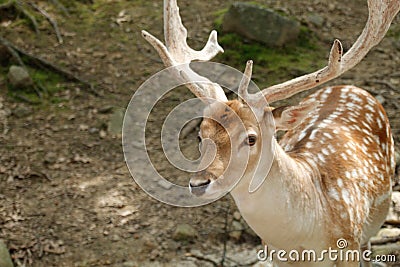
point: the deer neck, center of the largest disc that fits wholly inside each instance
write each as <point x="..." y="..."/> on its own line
<point x="286" y="208"/>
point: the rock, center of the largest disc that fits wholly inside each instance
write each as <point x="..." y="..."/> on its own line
<point x="316" y="19"/>
<point x="21" y="111"/>
<point x="387" y="249"/>
<point x="102" y="134"/>
<point x="19" y="78"/>
<point x="130" y="264"/>
<point x="237" y="216"/>
<point x="332" y="7"/>
<point x="396" y="201"/>
<point x="210" y="258"/>
<point x="149" y="243"/>
<point x="263" y="264"/>
<point x="115" y="238"/>
<point x="397" y="157"/>
<point x="392" y="216"/>
<point x="242" y="255"/>
<point x="380" y="99"/>
<point x="236" y="230"/>
<point x="260" y="24"/>
<point x="186" y="263"/>
<point x="106" y="109"/>
<point x="5" y="258"/>
<point x="170" y="245"/>
<point x="150" y="264"/>
<point x="116" y="121"/>
<point x="388" y="232"/>
<point x="394" y="210"/>
<point x="50" y="158"/>
<point x="249" y="231"/>
<point x="165" y="184"/>
<point x="184" y="232"/>
<point x="93" y="130"/>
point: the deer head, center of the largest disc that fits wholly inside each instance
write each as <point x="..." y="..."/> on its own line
<point x="221" y="138"/>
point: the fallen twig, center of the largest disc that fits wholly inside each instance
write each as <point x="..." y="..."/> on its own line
<point x="6" y="5"/>
<point x="388" y="84"/>
<point x="51" y="20"/>
<point x="61" y="7"/>
<point x="395" y="74"/>
<point x="39" y="174"/>
<point x="18" y="5"/>
<point x="26" y="100"/>
<point x="26" y="13"/>
<point x="42" y="63"/>
<point x="12" y="51"/>
<point x="201" y="258"/>
<point x="223" y="258"/>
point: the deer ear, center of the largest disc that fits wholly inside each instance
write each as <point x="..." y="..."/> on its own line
<point x="287" y="118"/>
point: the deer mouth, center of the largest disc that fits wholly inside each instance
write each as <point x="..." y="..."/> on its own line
<point x="199" y="188"/>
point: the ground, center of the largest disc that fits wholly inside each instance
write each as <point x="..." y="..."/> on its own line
<point x="66" y="195"/>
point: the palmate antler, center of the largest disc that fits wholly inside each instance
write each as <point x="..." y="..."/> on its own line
<point x="381" y="14"/>
<point x="176" y="52"/>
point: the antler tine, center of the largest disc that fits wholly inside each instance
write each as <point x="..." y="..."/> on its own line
<point x="244" y="83"/>
<point x="381" y="14"/>
<point x="292" y="87"/>
<point x="177" y="52"/>
<point x="176" y="35"/>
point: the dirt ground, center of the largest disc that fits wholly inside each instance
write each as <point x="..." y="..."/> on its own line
<point x="66" y="196"/>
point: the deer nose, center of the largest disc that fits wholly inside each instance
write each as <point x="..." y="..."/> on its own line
<point x="198" y="188"/>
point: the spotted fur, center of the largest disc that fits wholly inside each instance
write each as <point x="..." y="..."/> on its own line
<point x="330" y="176"/>
<point x="347" y="139"/>
<point x="331" y="171"/>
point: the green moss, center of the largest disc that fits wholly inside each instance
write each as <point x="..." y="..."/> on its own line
<point x="272" y="65"/>
<point x="394" y="31"/>
<point x="219" y="17"/>
<point x="219" y="14"/>
<point x="49" y="80"/>
<point x="276" y="64"/>
<point x="46" y="84"/>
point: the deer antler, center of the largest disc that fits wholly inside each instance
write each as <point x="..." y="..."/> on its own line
<point x="381" y="14"/>
<point x="177" y="52"/>
<point x="244" y="83"/>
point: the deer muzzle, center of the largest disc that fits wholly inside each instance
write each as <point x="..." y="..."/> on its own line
<point x="200" y="182"/>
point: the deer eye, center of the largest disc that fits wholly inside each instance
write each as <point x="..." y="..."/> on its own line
<point x="251" y="139"/>
<point x="199" y="138"/>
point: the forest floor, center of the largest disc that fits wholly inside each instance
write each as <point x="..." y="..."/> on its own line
<point x="66" y="195"/>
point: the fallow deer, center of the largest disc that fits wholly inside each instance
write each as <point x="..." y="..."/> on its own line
<point x="331" y="172"/>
